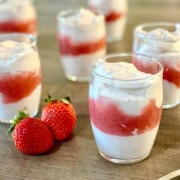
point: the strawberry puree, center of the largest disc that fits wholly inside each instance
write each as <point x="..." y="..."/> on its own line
<point x="15" y="87"/>
<point x="114" y="16"/>
<point x="109" y="118"/>
<point x="68" y="47"/>
<point x="28" y="26"/>
<point x="172" y="75"/>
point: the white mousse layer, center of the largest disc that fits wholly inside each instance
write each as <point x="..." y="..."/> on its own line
<point x="79" y="66"/>
<point x="82" y="26"/>
<point x="115" y="29"/>
<point x="171" y="93"/>
<point x="130" y="96"/>
<point x="124" y="147"/>
<point x="17" y="10"/>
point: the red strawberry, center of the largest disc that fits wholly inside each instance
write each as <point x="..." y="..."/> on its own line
<point x="30" y="135"/>
<point x="60" y="116"/>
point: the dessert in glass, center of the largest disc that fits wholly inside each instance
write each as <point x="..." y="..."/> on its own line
<point x="20" y="76"/>
<point x="125" y="105"/>
<point x="17" y="16"/>
<point x="115" y="12"/>
<point x="162" y="41"/>
<point x="81" y="40"/>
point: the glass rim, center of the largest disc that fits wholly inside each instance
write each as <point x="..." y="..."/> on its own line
<point x="4" y="1"/>
<point x="12" y="36"/>
<point x="139" y="29"/>
<point x="104" y="58"/>
<point x="62" y="15"/>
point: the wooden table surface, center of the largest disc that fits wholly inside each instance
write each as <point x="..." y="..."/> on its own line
<point x="78" y="158"/>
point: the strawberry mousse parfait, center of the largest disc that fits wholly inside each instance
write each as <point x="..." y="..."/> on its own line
<point x="125" y="105"/>
<point x="162" y="41"/>
<point x="20" y="76"/>
<point x="115" y="12"/>
<point x="17" y="16"/>
<point x="81" y="40"/>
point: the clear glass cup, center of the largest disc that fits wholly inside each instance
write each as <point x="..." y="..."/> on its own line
<point x="115" y="12"/>
<point x="20" y="75"/>
<point x="162" y="41"/>
<point x="18" y="16"/>
<point x="125" y="105"/>
<point x="81" y="40"/>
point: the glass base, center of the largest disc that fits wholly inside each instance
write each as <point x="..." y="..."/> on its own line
<point x="6" y="121"/>
<point x="78" y="79"/>
<point x="9" y="121"/>
<point x="124" y="161"/>
<point x="114" y="39"/>
<point x="168" y="106"/>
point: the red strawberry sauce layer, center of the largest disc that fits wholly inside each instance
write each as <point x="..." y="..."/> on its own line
<point x="14" y="87"/>
<point x="19" y="26"/>
<point x="68" y="47"/>
<point x="109" y="118"/>
<point x="172" y="75"/>
<point x="113" y="16"/>
<point x="169" y="74"/>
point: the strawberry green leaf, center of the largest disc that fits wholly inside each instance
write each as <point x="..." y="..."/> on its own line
<point x="66" y="100"/>
<point x="17" y="118"/>
<point x="49" y="99"/>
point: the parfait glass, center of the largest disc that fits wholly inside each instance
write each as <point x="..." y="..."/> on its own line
<point x="81" y="40"/>
<point x="20" y="75"/>
<point x="125" y="106"/>
<point x="162" y="41"/>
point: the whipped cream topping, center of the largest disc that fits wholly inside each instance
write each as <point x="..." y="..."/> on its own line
<point x="163" y="34"/>
<point x="17" y="10"/>
<point x="159" y="41"/>
<point x="120" y="70"/>
<point x="82" y="17"/>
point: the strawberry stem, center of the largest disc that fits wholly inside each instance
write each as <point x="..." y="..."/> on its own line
<point x="66" y="100"/>
<point x="17" y="118"/>
<point x="49" y="99"/>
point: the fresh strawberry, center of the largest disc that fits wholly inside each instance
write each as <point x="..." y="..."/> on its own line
<point x="30" y="135"/>
<point x="60" y="116"/>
